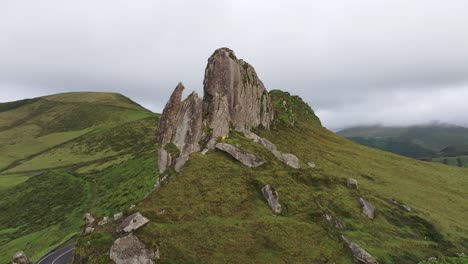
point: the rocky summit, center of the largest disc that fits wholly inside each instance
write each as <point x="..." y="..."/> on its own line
<point x="234" y="97"/>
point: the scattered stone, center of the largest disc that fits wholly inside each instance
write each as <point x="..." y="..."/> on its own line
<point x="367" y="208"/>
<point x="89" y="219"/>
<point x="89" y="230"/>
<point x="249" y="160"/>
<point x="129" y="250"/>
<point x="104" y="221"/>
<point x="133" y="222"/>
<point x="402" y="205"/>
<point x="359" y="254"/>
<point x="132" y="206"/>
<point x="311" y="164"/>
<point x="157" y="254"/>
<point x="40" y="173"/>
<point x="290" y="159"/>
<point x="272" y="198"/>
<point x="118" y="216"/>
<point x="205" y="151"/>
<point x="262" y="141"/>
<point x="334" y="221"/>
<point x="21" y="258"/>
<point x="352" y="183"/>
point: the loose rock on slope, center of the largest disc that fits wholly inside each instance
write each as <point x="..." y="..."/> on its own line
<point x="129" y="250"/>
<point x="133" y="222"/>
<point x="367" y="208"/>
<point x="21" y="258"/>
<point x="359" y="254"/>
<point x="272" y="198"/>
<point x="249" y="160"/>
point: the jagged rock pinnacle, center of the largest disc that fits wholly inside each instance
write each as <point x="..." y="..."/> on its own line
<point x="234" y="97"/>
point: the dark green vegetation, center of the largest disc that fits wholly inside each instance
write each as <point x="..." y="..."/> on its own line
<point x="67" y="154"/>
<point x="440" y="143"/>
<point x="213" y="210"/>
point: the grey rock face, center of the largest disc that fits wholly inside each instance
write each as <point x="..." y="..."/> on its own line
<point x="352" y="183"/>
<point x="234" y="95"/>
<point x="21" y="258"/>
<point x="129" y="250"/>
<point x="290" y="159"/>
<point x="180" y="124"/>
<point x="272" y="198"/>
<point x="262" y="141"/>
<point x="359" y="254"/>
<point x="89" y="219"/>
<point x="133" y="222"/>
<point x="367" y="208"/>
<point x="249" y="160"/>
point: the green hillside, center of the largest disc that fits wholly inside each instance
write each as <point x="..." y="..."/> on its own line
<point x="213" y="210"/>
<point x="67" y="154"/>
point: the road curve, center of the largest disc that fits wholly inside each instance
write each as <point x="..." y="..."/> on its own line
<point x="59" y="256"/>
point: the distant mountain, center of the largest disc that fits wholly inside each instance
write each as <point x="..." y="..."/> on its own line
<point x="434" y="141"/>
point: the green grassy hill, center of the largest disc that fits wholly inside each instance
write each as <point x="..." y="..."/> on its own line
<point x="439" y="143"/>
<point x="96" y="151"/>
<point x="213" y="210"/>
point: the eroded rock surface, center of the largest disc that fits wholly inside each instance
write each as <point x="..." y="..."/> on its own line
<point x="133" y="222"/>
<point x="248" y="159"/>
<point x="130" y="250"/>
<point x="272" y="198"/>
<point x="367" y="208"/>
<point x="359" y="254"/>
<point x="234" y="95"/>
<point x="262" y="141"/>
<point x="21" y="258"/>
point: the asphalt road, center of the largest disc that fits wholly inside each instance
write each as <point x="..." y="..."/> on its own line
<point x="59" y="256"/>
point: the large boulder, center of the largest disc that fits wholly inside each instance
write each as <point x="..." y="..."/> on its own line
<point x="262" y="141"/>
<point x="248" y="159"/>
<point x="180" y="126"/>
<point x="359" y="254"/>
<point x="133" y="222"/>
<point x="129" y="250"/>
<point x="367" y="208"/>
<point x="234" y="95"/>
<point x="272" y="198"/>
<point x="290" y="159"/>
<point x="21" y="258"/>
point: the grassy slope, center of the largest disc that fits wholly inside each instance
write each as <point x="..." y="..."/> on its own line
<point x="213" y="210"/>
<point x="97" y="150"/>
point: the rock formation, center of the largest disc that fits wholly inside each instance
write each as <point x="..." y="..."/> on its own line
<point x="234" y="95"/>
<point x="133" y="222"/>
<point x="272" y="198"/>
<point x="367" y="208"/>
<point x="249" y="160"/>
<point x="129" y="250"/>
<point x="290" y="159"/>
<point x="234" y="98"/>
<point x="117" y="216"/>
<point x="89" y="219"/>
<point x="359" y="254"/>
<point x="334" y="221"/>
<point x="21" y="258"/>
<point x="104" y="221"/>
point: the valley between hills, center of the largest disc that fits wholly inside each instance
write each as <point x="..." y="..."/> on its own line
<point x="240" y="175"/>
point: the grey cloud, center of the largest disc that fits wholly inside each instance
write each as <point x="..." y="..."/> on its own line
<point x="355" y="62"/>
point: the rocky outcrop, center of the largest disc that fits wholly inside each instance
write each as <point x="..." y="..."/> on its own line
<point x="290" y="159"/>
<point x="118" y="216"/>
<point x="249" y="160"/>
<point x="105" y="220"/>
<point x="88" y="230"/>
<point x="359" y="254"/>
<point x="234" y="95"/>
<point x="180" y="126"/>
<point x="272" y="198"/>
<point x="367" y="208"/>
<point x="130" y="250"/>
<point x="21" y="258"/>
<point x="133" y="222"/>
<point x="352" y="183"/>
<point x="89" y="219"/>
<point x="262" y="141"/>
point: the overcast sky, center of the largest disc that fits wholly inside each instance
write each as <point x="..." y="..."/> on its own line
<point x="356" y="62"/>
